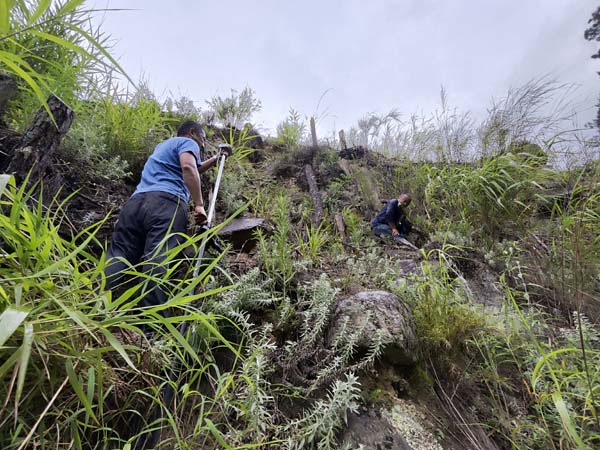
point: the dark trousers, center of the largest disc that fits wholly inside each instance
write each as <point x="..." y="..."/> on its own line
<point x="383" y="230"/>
<point x="144" y="233"/>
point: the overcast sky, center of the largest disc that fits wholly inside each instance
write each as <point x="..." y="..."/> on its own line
<point x="366" y="55"/>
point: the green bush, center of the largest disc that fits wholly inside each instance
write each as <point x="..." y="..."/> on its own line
<point x="554" y="373"/>
<point x="445" y="316"/>
<point x="236" y="110"/>
<point x="291" y="132"/>
<point x="51" y="47"/>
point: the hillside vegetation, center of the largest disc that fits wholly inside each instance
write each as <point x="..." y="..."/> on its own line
<point x="315" y="334"/>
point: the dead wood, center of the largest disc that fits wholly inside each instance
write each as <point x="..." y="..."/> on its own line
<point x="315" y="193"/>
<point x="34" y="152"/>
<point x="341" y="226"/>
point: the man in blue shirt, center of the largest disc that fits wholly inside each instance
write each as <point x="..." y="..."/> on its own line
<point x="157" y="211"/>
<point x="391" y="221"/>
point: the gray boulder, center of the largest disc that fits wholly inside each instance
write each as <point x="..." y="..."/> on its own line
<point x="240" y="232"/>
<point x="401" y="425"/>
<point x="378" y="314"/>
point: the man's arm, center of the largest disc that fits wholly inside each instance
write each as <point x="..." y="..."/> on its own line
<point x="191" y="177"/>
<point x="210" y="162"/>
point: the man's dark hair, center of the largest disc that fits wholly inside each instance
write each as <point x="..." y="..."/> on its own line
<point x="189" y="125"/>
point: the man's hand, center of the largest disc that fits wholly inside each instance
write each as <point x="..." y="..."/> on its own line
<point x="395" y="232"/>
<point x="224" y="150"/>
<point x="200" y="215"/>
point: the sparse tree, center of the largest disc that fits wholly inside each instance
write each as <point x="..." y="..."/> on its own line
<point x="593" y="34"/>
<point x="235" y="110"/>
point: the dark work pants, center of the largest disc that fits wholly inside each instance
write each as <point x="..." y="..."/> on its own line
<point x="383" y="230"/>
<point x="139" y="236"/>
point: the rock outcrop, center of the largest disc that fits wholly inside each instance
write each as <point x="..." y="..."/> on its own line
<point x="399" y="426"/>
<point x="380" y="313"/>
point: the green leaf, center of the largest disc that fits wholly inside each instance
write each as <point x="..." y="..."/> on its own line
<point x="66" y="44"/>
<point x="56" y="265"/>
<point x="100" y="48"/>
<point x="91" y="387"/>
<point x="118" y="347"/>
<point x="545" y="359"/>
<point x="5" y="7"/>
<point x="16" y="64"/>
<point x="70" y="6"/>
<point x="5" y="180"/>
<point x="4" y="368"/>
<point x="24" y="359"/>
<point x="42" y="7"/>
<point x="217" y="434"/>
<point x="78" y="388"/>
<point x="565" y="417"/>
<point x="10" y="320"/>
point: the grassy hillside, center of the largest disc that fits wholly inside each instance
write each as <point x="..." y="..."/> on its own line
<point x="319" y="335"/>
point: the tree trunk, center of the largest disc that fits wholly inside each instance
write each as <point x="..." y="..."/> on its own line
<point x="8" y="90"/>
<point x="343" y="145"/>
<point x="33" y="155"/>
<point x="314" y="192"/>
<point x="341" y="226"/>
<point x="313" y="133"/>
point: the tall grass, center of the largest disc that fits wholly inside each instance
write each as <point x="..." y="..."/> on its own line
<point x="555" y="374"/>
<point x="76" y="365"/>
<point x="50" y="47"/>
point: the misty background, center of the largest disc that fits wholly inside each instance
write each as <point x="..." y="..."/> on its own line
<point x="338" y="60"/>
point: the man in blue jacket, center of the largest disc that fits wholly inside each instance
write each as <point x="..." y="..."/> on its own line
<point x="157" y="211"/>
<point x="391" y="221"/>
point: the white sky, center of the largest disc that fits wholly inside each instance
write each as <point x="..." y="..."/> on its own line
<point x="370" y="55"/>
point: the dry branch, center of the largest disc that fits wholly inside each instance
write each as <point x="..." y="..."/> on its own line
<point x="315" y="193"/>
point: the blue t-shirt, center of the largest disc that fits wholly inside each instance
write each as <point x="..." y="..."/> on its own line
<point x="162" y="172"/>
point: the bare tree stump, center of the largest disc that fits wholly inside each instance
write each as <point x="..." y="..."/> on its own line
<point x="343" y="145"/>
<point x="8" y="90"/>
<point x="315" y="194"/>
<point x="313" y="133"/>
<point x="341" y="226"/>
<point x="33" y="155"/>
<point x="345" y="166"/>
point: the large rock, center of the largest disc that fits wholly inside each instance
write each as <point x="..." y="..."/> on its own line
<point x="378" y="312"/>
<point x="399" y="426"/>
<point x="240" y="232"/>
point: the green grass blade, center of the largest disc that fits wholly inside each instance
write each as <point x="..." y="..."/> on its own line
<point x="545" y="359"/>
<point x="66" y="44"/>
<point x="42" y="7"/>
<point x="217" y="434"/>
<point x="15" y="64"/>
<point x="5" y="180"/>
<point x="53" y="267"/>
<point x="5" y="7"/>
<point x="70" y="6"/>
<point x="100" y="48"/>
<point x="118" y="347"/>
<point x="24" y="359"/>
<point x="78" y="388"/>
<point x="10" y="319"/>
<point x="565" y="417"/>
<point x="4" y="368"/>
